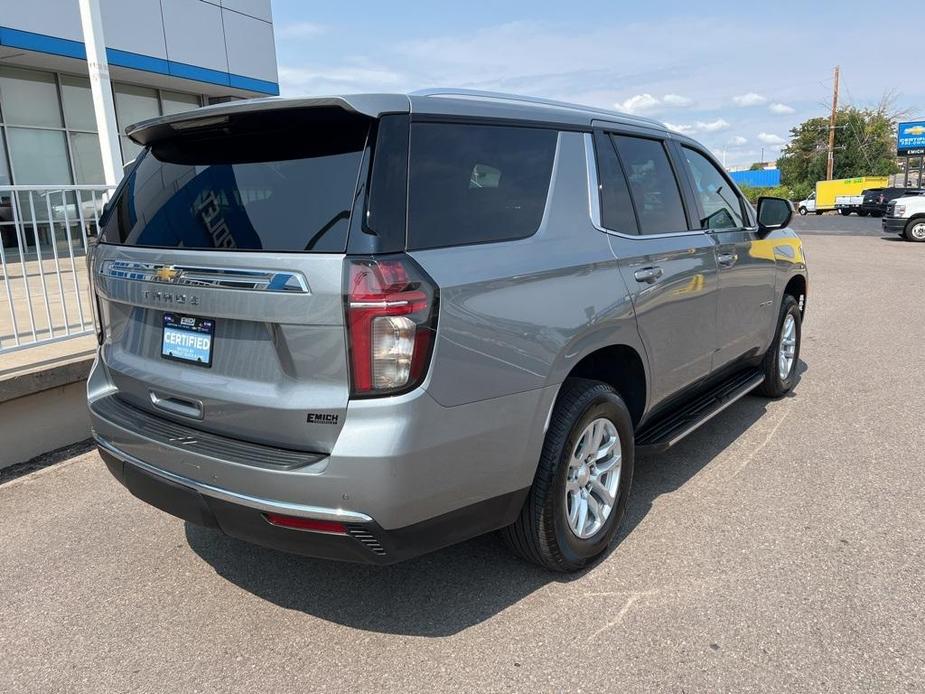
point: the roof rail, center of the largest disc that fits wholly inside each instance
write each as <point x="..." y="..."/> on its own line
<point x="517" y="98"/>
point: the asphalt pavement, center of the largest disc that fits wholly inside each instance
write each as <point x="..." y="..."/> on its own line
<point x="779" y="548"/>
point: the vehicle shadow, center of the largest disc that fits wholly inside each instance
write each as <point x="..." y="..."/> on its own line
<point x="445" y="592"/>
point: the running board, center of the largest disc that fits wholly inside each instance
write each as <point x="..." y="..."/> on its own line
<point x="666" y="431"/>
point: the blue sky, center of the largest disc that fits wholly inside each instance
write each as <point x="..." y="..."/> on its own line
<point x="736" y="76"/>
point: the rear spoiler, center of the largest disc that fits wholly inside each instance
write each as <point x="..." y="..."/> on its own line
<point x="372" y="105"/>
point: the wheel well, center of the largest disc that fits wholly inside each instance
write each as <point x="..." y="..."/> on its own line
<point x="621" y="367"/>
<point x="796" y="288"/>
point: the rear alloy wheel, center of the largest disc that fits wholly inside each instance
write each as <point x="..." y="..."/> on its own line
<point x="915" y="230"/>
<point x="582" y="482"/>
<point x="780" y="361"/>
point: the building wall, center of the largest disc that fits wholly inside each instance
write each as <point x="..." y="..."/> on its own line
<point x="221" y="42"/>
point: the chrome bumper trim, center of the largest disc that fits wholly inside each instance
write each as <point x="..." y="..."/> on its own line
<point x="268" y="505"/>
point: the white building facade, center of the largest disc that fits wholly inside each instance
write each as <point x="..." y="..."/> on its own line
<point x="165" y="56"/>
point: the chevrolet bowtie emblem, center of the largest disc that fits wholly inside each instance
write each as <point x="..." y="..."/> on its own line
<point x="166" y="273"/>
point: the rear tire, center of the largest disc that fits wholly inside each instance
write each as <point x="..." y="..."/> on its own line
<point x="915" y="231"/>
<point x="573" y="473"/>
<point x="784" y="351"/>
<point x="862" y="213"/>
<point x="818" y="211"/>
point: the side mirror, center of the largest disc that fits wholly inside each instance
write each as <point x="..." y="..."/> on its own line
<point x="773" y="213"/>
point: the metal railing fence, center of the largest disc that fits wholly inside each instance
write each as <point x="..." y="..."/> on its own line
<point x="45" y="293"/>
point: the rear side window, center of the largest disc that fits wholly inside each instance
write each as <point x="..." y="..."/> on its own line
<point x="652" y="184"/>
<point x="477" y="183"/>
<point x="616" y="206"/>
<point x="280" y="182"/>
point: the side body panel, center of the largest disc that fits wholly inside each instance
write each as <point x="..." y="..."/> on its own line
<point x="518" y="315"/>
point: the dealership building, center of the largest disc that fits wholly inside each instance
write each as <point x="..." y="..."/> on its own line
<point x="164" y="56"/>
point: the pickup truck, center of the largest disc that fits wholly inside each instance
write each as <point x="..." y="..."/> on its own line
<point x="846" y="204"/>
<point x="906" y="217"/>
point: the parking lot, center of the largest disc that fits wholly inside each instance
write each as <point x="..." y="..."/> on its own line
<point x="778" y="547"/>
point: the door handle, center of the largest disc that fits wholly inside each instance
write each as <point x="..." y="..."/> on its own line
<point x="649" y="275"/>
<point x="727" y="259"/>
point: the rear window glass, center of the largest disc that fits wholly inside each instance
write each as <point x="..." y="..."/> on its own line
<point x="277" y="183"/>
<point x="477" y="183"/>
<point x="652" y="184"/>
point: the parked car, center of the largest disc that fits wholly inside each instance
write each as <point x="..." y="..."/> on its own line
<point x="366" y="327"/>
<point x="876" y="200"/>
<point x="906" y="217"/>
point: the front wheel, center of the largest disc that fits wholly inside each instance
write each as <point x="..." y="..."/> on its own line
<point x="846" y="212"/>
<point x="582" y="482"/>
<point x="915" y="230"/>
<point x="780" y="361"/>
<point x="802" y="211"/>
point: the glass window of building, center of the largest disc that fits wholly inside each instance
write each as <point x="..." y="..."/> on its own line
<point x="29" y="97"/>
<point x="134" y="104"/>
<point x="4" y="171"/>
<point x="38" y="156"/>
<point x="176" y="102"/>
<point x="78" y="103"/>
<point x="88" y="161"/>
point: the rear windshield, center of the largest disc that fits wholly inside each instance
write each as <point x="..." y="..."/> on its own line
<point x="282" y="182"/>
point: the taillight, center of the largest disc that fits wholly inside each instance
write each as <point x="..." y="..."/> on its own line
<point x="391" y="314"/>
<point x="310" y="524"/>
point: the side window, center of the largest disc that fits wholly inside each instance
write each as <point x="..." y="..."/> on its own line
<point x="719" y="203"/>
<point x="616" y="206"/>
<point x="477" y="183"/>
<point x="652" y="184"/>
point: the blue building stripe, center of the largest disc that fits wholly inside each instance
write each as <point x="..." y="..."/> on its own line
<point x="136" y="61"/>
<point x="41" y="43"/>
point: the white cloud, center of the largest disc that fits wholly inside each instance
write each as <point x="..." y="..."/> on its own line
<point x="712" y="126"/>
<point x="677" y="101"/>
<point x="750" y="99"/>
<point x="781" y="109"/>
<point x="639" y="103"/>
<point x="320" y="79"/>
<point x="698" y="127"/>
<point x="298" y="30"/>
<point x="647" y="103"/>
<point x="681" y="128"/>
<point x="738" y="141"/>
<point x="769" y="139"/>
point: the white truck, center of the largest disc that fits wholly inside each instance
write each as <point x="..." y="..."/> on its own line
<point x="906" y="217"/>
<point x="846" y="204"/>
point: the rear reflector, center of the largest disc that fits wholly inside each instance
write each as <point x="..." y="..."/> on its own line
<point x="310" y="524"/>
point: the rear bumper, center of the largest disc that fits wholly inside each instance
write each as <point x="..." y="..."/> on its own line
<point x="399" y="463"/>
<point x="362" y="541"/>
<point x="893" y="225"/>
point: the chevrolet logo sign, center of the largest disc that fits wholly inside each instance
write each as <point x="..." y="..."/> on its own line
<point x="166" y="273"/>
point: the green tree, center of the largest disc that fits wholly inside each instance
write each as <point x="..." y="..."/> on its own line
<point x="865" y="145"/>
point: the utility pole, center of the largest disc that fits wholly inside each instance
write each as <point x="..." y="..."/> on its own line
<point x="830" y="163"/>
<point x="101" y="89"/>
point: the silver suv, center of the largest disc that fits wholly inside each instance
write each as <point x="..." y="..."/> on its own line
<point x="366" y="327"/>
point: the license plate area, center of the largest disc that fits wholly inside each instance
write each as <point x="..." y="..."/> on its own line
<point x="188" y="339"/>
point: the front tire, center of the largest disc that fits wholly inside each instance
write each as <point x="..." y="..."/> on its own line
<point x="780" y="361"/>
<point x="802" y="211"/>
<point x="582" y="482"/>
<point x="846" y="212"/>
<point x="915" y="231"/>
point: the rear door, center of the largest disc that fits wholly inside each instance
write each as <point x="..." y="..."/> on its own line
<point x="745" y="262"/>
<point x="219" y="271"/>
<point x="670" y="270"/>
